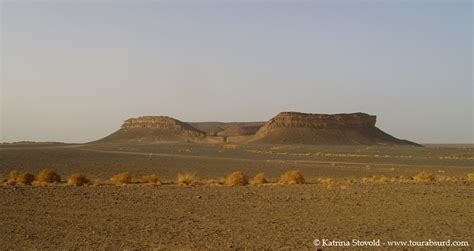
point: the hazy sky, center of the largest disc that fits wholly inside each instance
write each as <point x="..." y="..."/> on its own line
<point x="74" y="71"/>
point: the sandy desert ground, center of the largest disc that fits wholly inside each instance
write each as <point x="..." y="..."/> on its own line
<point x="270" y="216"/>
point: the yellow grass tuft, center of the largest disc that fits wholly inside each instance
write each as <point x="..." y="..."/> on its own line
<point x="186" y="179"/>
<point x="150" y="179"/>
<point x="259" y="179"/>
<point x="236" y="179"/>
<point x="48" y="176"/>
<point x="470" y="176"/>
<point x="78" y="179"/>
<point x="328" y="182"/>
<point x="12" y="176"/>
<point x="424" y="177"/>
<point x="292" y="177"/>
<point x="16" y="177"/>
<point x="122" y="178"/>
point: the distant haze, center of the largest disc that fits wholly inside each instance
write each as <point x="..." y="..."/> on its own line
<point x="74" y="71"/>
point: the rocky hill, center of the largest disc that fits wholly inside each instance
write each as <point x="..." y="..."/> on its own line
<point x="285" y="128"/>
<point x="336" y="129"/>
<point x="150" y="129"/>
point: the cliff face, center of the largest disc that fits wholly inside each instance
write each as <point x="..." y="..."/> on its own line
<point x="319" y="121"/>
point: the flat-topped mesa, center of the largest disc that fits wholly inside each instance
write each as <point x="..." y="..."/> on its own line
<point x="320" y="121"/>
<point x="285" y="128"/>
<point x="163" y="123"/>
<point x="324" y="129"/>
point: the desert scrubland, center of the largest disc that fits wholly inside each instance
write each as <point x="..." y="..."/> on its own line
<point x="349" y="192"/>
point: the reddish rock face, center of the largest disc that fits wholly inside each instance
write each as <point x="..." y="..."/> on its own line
<point x="162" y="122"/>
<point x="319" y="121"/>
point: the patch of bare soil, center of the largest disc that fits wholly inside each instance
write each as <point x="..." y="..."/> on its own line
<point x="240" y="217"/>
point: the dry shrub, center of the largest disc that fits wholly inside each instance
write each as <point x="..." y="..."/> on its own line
<point x="122" y="178"/>
<point x="328" y="182"/>
<point x="236" y="179"/>
<point x="424" y="177"/>
<point x="48" y="176"/>
<point x="25" y="178"/>
<point x="259" y="179"/>
<point x="16" y="177"/>
<point x="186" y="179"/>
<point x="150" y="179"/>
<point x="470" y="176"/>
<point x="78" y="179"/>
<point x="292" y="177"/>
<point x="12" y="177"/>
